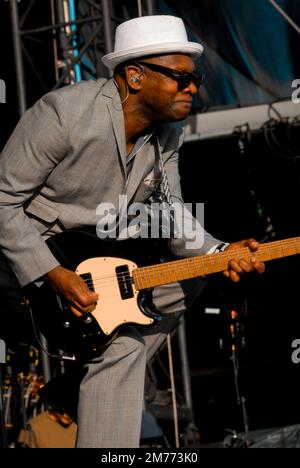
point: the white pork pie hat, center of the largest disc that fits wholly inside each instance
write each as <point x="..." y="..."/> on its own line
<point x="150" y="35"/>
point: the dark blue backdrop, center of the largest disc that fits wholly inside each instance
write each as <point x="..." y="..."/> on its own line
<point x="251" y="52"/>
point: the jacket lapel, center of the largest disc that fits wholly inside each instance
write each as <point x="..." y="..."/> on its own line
<point x="115" y="110"/>
<point x="144" y="162"/>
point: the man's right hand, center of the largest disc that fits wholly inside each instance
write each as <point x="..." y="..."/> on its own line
<point x="73" y="289"/>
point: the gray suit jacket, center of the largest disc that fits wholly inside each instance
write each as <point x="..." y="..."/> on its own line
<point x="66" y="155"/>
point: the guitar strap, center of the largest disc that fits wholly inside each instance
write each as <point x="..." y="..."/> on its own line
<point x="160" y="172"/>
<point x="163" y="194"/>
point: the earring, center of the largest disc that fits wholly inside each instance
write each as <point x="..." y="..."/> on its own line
<point x="135" y="79"/>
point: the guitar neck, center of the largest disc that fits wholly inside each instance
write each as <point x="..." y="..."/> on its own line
<point x="180" y="270"/>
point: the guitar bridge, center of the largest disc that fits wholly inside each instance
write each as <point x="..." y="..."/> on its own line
<point x="124" y="282"/>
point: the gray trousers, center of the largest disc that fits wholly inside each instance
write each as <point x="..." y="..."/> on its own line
<point x="112" y="392"/>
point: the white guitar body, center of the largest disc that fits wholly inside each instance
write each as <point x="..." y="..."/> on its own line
<point x="111" y="310"/>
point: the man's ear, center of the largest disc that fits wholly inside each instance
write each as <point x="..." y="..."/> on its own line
<point x="134" y="76"/>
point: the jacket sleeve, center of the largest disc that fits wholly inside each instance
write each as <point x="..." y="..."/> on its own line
<point x="190" y="238"/>
<point x="37" y="145"/>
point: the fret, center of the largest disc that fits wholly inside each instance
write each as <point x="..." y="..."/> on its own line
<point x="211" y="263"/>
<point x="282" y="248"/>
<point x="269" y="247"/>
<point x="138" y="279"/>
<point x="220" y="262"/>
<point x="190" y="267"/>
<point x="204" y="268"/>
<point x="215" y="262"/>
<point x="186" y="268"/>
<point x="182" y="271"/>
<point x="276" y="252"/>
<point x="257" y="255"/>
<point x="289" y="250"/>
<point x="223" y="261"/>
<point x="149" y="277"/>
<point x="195" y="262"/>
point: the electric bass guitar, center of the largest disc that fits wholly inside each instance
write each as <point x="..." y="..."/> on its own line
<point x="124" y="274"/>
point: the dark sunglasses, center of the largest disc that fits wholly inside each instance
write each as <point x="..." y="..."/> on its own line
<point x="184" y="79"/>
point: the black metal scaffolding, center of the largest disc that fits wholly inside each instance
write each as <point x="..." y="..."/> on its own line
<point x="78" y="37"/>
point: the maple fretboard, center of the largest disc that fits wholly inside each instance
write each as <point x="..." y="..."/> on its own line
<point x="179" y="270"/>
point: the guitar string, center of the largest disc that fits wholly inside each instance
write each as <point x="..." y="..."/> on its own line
<point x="208" y="258"/>
<point x="129" y="278"/>
<point x="288" y="242"/>
<point x="164" y="268"/>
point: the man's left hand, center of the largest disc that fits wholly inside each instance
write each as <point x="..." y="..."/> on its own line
<point x="236" y="268"/>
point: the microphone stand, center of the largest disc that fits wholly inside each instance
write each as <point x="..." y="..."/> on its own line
<point x="236" y="442"/>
